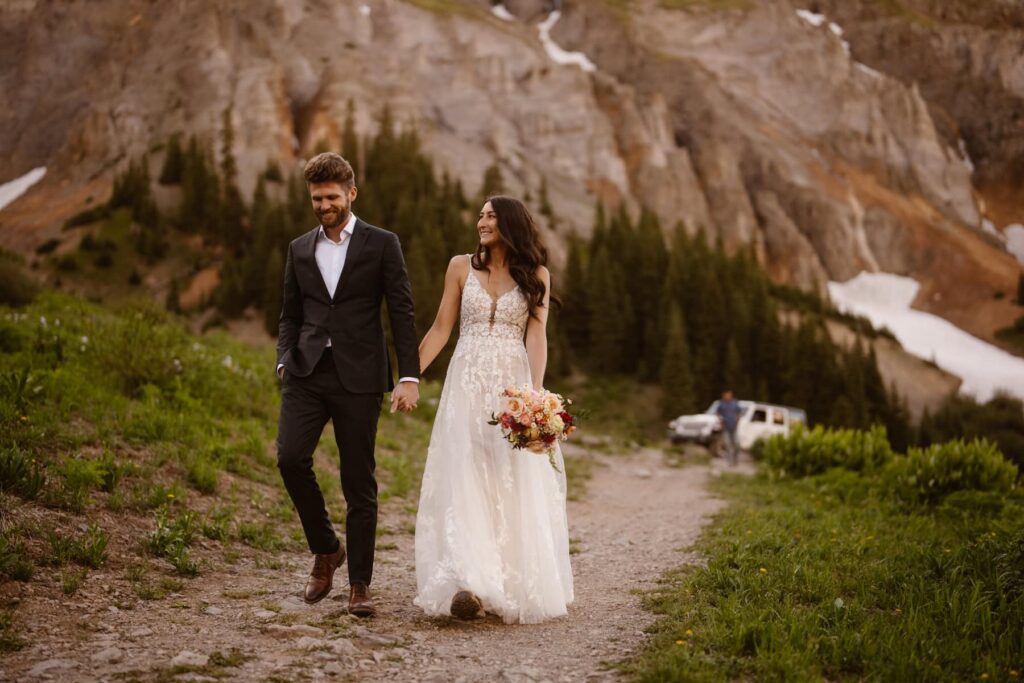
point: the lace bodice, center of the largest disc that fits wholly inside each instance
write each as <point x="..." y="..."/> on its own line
<point x="482" y="316"/>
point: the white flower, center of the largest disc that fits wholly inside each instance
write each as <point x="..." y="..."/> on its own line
<point x="42" y="320"/>
<point x="227" y="362"/>
<point x="85" y="339"/>
<point x="556" y="424"/>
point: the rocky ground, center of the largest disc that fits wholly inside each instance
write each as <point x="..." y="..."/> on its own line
<point x="246" y="621"/>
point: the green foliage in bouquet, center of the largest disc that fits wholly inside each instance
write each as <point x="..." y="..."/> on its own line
<point x="805" y="452"/>
<point x="929" y="475"/>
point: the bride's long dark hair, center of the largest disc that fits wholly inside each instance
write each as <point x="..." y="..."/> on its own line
<point x="525" y="252"/>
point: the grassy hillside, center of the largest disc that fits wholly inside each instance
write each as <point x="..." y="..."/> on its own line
<point x="131" y="448"/>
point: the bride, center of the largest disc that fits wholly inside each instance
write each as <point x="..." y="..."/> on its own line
<point x="491" y="531"/>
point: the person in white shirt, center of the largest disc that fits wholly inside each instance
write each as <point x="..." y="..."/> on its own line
<point x="334" y="365"/>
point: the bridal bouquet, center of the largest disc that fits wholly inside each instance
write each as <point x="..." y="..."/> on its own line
<point x="534" y="420"/>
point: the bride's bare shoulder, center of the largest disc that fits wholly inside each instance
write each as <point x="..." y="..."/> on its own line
<point x="459" y="267"/>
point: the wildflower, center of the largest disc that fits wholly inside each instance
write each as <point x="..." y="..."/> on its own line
<point x="763" y="570"/>
<point x="170" y="495"/>
<point x="680" y="642"/>
<point x="749" y="532"/>
<point x="85" y="339"/>
<point x="226" y="362"/>
<point x="898" y="611"/>
<point x="1014" y="673"/>
<point x="984" y="677"/>
<point x="24" y="418"/>
<point x="689" y="632"/>
<point x="42" y="320"/>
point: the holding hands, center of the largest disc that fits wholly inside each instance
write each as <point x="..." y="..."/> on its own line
<point x="405" y="397"/>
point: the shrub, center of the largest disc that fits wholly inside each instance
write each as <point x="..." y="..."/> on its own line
<point x="140" y="348"/>
<point x="806" y="452"/>
<point x="12" y="338"/>
<point x="930" y="474"/>
<point x="20" y="473"/>
<point x="14" y="560"/>
<point x="172" y="538"/>
<point x="17" y="288"/>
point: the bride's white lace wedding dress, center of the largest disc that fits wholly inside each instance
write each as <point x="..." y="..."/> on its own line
<point x="491" y="520"/>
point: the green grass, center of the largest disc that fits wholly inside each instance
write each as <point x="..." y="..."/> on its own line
<point x="827" y="578"/>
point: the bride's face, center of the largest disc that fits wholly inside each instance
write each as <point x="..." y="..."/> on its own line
<point x="487" y="226"/>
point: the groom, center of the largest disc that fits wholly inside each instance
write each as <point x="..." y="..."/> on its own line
<point x="333" y="362"/>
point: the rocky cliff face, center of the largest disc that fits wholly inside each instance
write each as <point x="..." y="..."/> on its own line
<point x="760" y="125"/>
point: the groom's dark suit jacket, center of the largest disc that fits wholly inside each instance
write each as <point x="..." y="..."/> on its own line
<point x="374" y="270"/>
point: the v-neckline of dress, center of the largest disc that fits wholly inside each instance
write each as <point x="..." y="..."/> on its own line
<point x="490" y="296"/>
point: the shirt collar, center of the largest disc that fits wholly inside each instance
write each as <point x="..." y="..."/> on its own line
<point x="350" y="228"/>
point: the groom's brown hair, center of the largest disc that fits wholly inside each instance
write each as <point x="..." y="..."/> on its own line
<point x="329" y="167"/>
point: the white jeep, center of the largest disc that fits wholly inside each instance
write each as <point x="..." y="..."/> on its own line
<point x="757" y="420"/>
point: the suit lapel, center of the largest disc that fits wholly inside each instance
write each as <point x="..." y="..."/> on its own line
<point x="360" y="233"/>
<point x="309" y="255"/>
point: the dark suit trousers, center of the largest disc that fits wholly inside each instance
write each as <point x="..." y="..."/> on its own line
<point x="306" y="405"/>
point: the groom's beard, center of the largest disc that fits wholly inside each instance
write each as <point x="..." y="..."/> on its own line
<point x="329" y="220"/>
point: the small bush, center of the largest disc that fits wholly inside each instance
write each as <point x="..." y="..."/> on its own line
<point x="140" y="348"/>
<point x="93" y="215"/>
<point x="17" y="288"/>
<point x="172" y="538"/>
<point x="12" y="338"/>
<point x="80" y="476"/>
<point x="203" y="474"/>
<point x="929" y="475"/>
<point x="806" y="452"/>
<point x="9" y="638"/>
<point x="14" y="560"/>
<point x="20" y="473"/>
<point x="89" y="550"/>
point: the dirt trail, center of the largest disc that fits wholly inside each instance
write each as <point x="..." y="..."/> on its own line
<point x="635" y="520"/>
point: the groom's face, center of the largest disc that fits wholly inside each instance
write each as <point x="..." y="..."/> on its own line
<point x="332" y="202"/>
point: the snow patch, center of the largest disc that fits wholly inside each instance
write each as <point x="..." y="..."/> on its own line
<point x="868" y="70"/>
<point x="556" y="53"/>
<point x="12" y="190"/>
<point x="810" y="17"/>
<point x="1015" y="240"/>
<point x="502" y="12"/>
<point x="885" y="299"/>
<point x="818" y="20"/>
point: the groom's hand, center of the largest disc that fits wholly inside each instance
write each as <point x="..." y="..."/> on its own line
<point x="405" y="396"/>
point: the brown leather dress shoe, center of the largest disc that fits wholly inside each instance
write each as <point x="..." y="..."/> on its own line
<point x="320" y="580"/>
<point x="359" y="601"/>
<point x="466" y="606"/>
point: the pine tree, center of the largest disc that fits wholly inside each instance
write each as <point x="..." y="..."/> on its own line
<point x="174" y="162"/>
<point x="575" y="314"/>
<point x="676" y="378"/>
<point x="349" y="136"/>
<point x="173" y="302"/>
<point x="733" y="375"/>
<point x="272" y="293"/>
<point x="232" y="208"/>
<point x="493" y="183"/>
<point x="609" y="315"/>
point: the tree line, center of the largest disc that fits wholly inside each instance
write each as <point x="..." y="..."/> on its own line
<point x="666" y="307"/>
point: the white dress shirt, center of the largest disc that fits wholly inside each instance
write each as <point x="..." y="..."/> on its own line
<point x="330" y="259"/>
